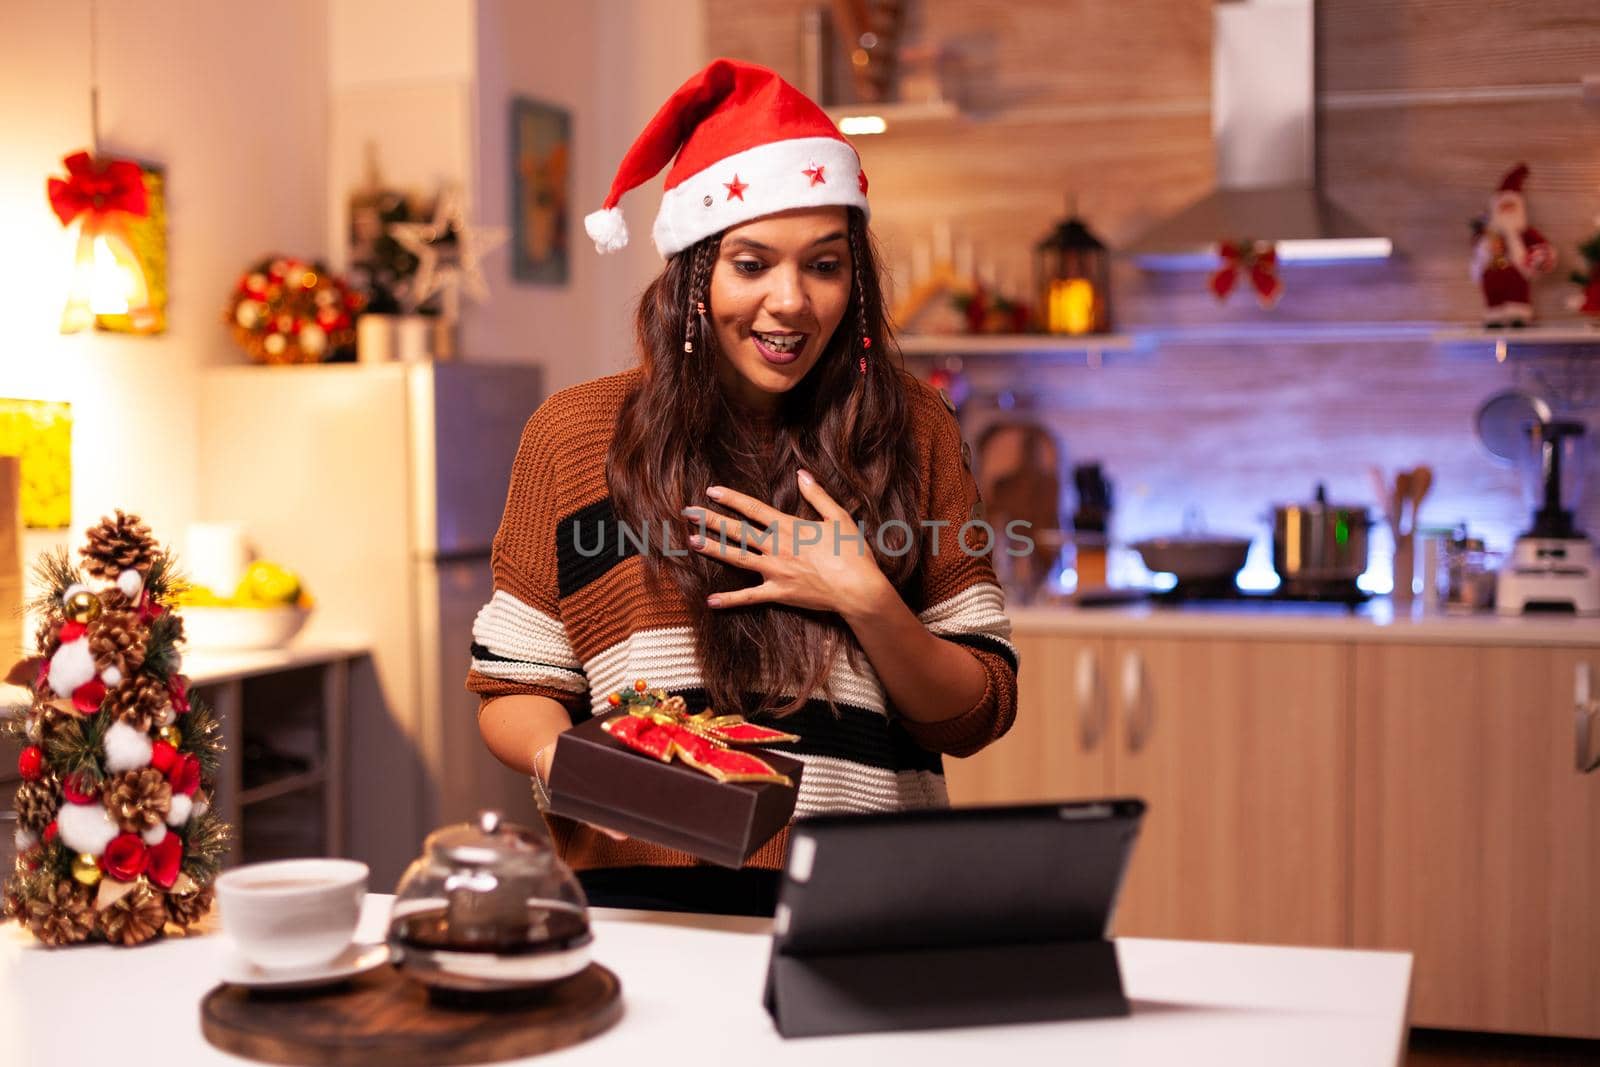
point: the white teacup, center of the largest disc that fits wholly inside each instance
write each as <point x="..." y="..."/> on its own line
<point x="292" y="913"/>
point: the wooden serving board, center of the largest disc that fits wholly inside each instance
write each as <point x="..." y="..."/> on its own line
<point x="384" y="1019"/>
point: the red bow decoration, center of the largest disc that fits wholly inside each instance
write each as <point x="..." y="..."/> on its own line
<point x="98" y="186"/>
<point x="1257" y="259"/>
<point x="660" y="726"/>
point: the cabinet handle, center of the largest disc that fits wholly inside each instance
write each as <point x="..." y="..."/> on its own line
<point x="1135" y="708"/>
<point x="1091" y="709"/>
<point x="1584" y="712"/>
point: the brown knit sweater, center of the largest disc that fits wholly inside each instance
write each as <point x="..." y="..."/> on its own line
<point x="573" y="624"/>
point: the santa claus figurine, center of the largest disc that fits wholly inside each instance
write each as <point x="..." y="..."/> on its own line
<point x="1508" y="253"/>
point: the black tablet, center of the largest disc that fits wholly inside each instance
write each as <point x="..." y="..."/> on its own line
<point x="954" y="877"/>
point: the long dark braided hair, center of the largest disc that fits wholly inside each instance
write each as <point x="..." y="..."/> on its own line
<point x="847" y="422"/>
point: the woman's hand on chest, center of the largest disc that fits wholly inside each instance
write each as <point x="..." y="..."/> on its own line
<point x="823" y="564"/>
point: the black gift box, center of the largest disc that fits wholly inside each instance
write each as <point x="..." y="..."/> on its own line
<point x="599" y="780"/>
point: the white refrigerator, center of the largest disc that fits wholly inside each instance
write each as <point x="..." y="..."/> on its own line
<point x="382" y="485"/>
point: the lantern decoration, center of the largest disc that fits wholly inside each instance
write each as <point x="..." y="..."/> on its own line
<point x="1072" y="268"/>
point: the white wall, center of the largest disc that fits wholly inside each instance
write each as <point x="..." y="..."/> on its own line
<point x="612" y="63"/>
<point x="235" y="109"/>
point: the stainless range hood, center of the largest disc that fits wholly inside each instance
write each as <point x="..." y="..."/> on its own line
<point x="1263" y="120"/>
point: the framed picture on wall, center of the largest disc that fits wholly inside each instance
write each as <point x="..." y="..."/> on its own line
<point x="541" y="175"/>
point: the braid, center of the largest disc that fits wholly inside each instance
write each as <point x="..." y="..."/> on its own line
<point x="856" y="261"/>
<point x="704" y="257"/>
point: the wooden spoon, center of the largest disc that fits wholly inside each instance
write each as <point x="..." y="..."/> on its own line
<point x="1402" y="493"/>
<point x="1421" y="482"/>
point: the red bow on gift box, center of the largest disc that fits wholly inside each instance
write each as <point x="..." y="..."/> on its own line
<point x="98" y="186"/>
<point x="660" y="726"/>
<point x="1258" y="260"/>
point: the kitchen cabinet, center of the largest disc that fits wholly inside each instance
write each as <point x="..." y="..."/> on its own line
<point x="1239" y="747"/>
<point x="1477" y="833"/>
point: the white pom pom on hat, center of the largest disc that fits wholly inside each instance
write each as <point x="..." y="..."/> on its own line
<point x="743" y="143"/>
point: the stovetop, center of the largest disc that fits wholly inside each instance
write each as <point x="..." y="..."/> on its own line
<point x="1345" y="594"/>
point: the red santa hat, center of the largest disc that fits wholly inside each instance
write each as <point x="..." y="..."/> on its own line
<point x="1512" y="182"/>
<point x="747" y="144"/>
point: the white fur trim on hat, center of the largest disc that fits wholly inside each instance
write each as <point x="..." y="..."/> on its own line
<point x="607" y="229"/>
<point x="771" y="178"/>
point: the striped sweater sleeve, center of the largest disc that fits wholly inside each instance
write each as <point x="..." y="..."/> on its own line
<point x="519" y="643"/>
<point x="960" y="598"/>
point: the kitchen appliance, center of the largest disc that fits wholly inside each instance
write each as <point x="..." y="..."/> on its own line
<point x="383" y="485"/>
<point x="1195" y="557"/>
<point x="1320" y="547"/>
<point x="1553" y="565"/>
<point x="1263" y="123"/>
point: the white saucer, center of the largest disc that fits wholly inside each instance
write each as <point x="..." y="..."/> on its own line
<point x="354" y="960"/>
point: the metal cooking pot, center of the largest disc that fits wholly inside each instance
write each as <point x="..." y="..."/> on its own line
<point x="1194" y="557"/>
<point x="1319" y="542"/>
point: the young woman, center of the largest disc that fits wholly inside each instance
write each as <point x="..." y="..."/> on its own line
<point x="765" y="516"/>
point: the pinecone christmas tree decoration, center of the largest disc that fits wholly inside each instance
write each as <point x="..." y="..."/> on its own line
<point x="116" y="639"/>
<point x="118" y="544"/>
<point x="135" y="918"/>
<point x="107" y="682"/>
<point x="139" y="702"/>
<point x="37" y="803"/>
<point x="60" y="913"/>
<point x="138" y="800"/>
<point x="189" y="908"/>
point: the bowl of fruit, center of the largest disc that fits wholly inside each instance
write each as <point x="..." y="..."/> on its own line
<point x="266" y="610"/>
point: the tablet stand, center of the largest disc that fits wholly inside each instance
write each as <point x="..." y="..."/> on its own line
<point x="930" y="988"/>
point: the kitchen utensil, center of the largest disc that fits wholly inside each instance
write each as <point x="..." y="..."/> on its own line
<point x="489" y="908"/>
<point x="1421" y="483"/>
<point x="1194" y="557"/>
<point x="1503" y="420"/>
<point x="1320" y="543"/>
<point x="379" y="1021"/>
<point x="1553" y="565"/>
<point x="292" y="914"/>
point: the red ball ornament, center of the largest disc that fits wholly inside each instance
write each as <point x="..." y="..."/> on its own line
<point x="30" y="764"/>
<point x="51" y="832"/>
<point x="79" y="788"/>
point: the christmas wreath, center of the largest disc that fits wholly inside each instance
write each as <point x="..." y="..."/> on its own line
<point x="116" y="838"/>
<point x="288" y="311"/>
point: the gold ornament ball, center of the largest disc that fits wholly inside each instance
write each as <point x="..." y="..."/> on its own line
<point x="83" y="606"/>
<point x="86" y="868"/>
<point x="171" y="735"/>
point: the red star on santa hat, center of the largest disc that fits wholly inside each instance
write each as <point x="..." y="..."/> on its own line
<point x="815" y="174"/>
<point x="861" y="180"/>
<point x="736" y="188"/>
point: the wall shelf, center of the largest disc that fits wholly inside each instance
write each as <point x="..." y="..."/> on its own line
<point x="895" y="115"/>
<point x="1529" y="338"/>
<point x="1091" y="347"/>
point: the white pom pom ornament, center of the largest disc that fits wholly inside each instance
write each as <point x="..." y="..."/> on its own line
<point x="182" y="809"/>
<point x="131" y="582"/>
<point x="85" y="827"/>
<point x="127" y="749"/>
<point x="71" y="666"/>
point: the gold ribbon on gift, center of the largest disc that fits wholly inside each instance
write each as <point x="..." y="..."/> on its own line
<point x="662" y="727"/>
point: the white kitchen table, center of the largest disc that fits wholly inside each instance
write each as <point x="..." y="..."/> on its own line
<point x="1194" y="1003"/>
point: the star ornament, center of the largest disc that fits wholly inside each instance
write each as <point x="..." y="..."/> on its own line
<point x="449" y="254"/>
<point x="736" y="188"/>
<point x="815" y="174"/>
